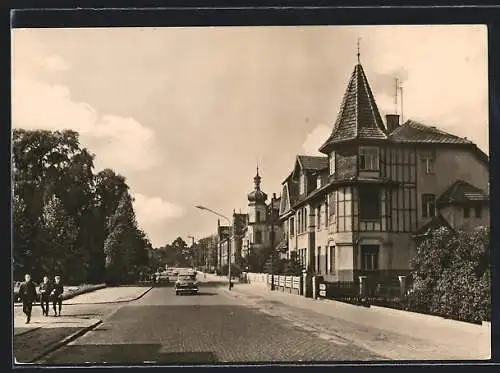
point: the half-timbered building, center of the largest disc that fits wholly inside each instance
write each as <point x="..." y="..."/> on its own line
<point x="356" y="210"/>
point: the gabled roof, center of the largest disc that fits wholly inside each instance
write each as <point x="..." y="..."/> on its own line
<point x="415" y="132"/>
<point x="462" y="192"/>
<point x="359" y="117"/>
<point x="313" y="163"/>
<point x="437" y="222"/>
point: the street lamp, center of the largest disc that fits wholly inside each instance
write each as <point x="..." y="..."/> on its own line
<point x="228" y="240"/>
<point x="192" y="248"/>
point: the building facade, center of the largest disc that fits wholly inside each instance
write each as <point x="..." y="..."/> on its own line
<point x="355" y="210"/>
<point x="251" y="232"/>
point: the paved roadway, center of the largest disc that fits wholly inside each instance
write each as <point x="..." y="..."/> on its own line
<point x="210" y="327"/>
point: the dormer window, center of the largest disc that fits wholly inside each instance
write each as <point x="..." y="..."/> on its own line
<point x="368" y="158"/>
<point x="302" y="184"/>
<point x="318" y="182"/>
<point x="332" y="163"/>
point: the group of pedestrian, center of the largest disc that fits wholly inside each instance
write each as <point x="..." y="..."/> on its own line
<point x="49" y="291"/>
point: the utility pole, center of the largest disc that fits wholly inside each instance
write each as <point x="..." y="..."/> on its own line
<point x="272" y="241"/>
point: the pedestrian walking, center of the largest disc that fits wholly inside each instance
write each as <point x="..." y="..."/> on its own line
<point x="45" y="289"/>
<point x="57" y="292"/>
<point x="27" y="293"/>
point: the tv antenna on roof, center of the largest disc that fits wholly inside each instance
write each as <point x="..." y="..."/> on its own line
<point x="401" y="92"/>
<point x="396" y="95"/>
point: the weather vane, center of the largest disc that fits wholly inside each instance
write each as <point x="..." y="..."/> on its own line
<point x="358" y="50"/>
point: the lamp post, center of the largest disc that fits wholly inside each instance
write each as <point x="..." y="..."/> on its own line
<point x="192" y="248"/>
<point x="228" y="240"/>
<point x="272" y="242"/>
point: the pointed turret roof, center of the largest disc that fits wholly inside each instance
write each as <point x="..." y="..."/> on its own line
<point x="359" y="117"/>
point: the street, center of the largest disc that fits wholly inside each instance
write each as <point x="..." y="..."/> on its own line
<point x="210" y="327"/>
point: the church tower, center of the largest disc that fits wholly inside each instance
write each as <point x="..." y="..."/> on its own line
<point x="257" y="218"/>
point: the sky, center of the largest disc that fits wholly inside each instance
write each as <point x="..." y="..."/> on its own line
<point x="186" y="114"/>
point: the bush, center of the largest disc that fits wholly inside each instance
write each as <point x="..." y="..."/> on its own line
<point x="452" y="276"/>
<point x="235" y="270"/>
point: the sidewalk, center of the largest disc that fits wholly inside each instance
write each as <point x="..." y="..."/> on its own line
<point x="45" y="334"/>
<point x="397" y="335"/>
<point x="118" y="294"/>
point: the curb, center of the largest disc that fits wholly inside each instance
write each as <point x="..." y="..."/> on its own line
<point x="64" y="341"/>
<point x="237" y="295"/>
<point x="27" y="331"/>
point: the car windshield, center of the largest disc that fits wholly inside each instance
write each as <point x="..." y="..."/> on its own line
<point x="185" y="278"/>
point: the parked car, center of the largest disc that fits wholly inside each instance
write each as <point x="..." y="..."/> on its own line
<point x="186" y="284"/>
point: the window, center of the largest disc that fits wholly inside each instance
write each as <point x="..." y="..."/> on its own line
<point x="318" y="211"/>
<point x="428" y="205"/>
<point x="368" y="159"/>
<point x="477" y="210"/>
<point x="332" y="259"/>
<point x="257" y="217"/>
<point x="428" y="162"/>
<point x="369" y="203"/>
<point x="369" y="257"/>
<point x="302" y="185"/>
<point x="258" y="237"/>
<point x="292" y="227"/>
<point x="332" y="163"/>
<point x="318" y="182"/>
<point x="466" y="211"/>
<point x="318" y="260"/>
<point x="326" y="214"/>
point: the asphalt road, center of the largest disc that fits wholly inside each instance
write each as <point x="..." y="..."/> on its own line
<point x="162" y="328"/>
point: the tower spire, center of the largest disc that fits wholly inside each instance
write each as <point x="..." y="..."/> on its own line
<point x="358" y="54"/>
<point x="257" y="179"/>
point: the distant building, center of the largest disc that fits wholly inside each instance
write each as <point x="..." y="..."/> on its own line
<point x="251" y="232"/>
<point x="356" y="210"/>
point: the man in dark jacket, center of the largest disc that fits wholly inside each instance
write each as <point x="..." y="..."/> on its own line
<point x="45" y="290"/>
<point x="57" y="292"/>
<point x="27" y="293"/>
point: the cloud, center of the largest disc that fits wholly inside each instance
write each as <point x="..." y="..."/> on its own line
<point x="120" y="143"/>
<point x="53" y="63"/>
<point x="315" y="139"/>
<point x="152" y="212"/>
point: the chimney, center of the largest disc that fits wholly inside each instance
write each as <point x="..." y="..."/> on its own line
<point x="392" y="121"/>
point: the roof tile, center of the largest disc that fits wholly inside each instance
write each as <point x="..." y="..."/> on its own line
<point x="313" y="163"/>
<point x="359" y="116"/>
<point x="462" y="192"/>
<point x="415" y="132"/>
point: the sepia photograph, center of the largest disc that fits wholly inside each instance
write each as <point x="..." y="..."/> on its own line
<point x="250" y="195"/>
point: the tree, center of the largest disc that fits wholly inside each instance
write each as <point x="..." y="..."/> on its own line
<point x="119" y="246"/>
<point x="183" y="253"/>
<point x="61" y="255"/>
<point x="21" y="230"/>
<point x="47" y="163"/>
<point x="451" y="273"/>
<point x="109" y="189"/>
